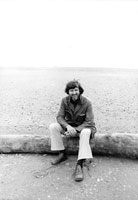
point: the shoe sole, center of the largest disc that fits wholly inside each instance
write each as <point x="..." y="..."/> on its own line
<point x="78" y="179"/>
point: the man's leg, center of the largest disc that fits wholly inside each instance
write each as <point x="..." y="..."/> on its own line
<point x="84" y="152"/>
<point x="57" y="142"/>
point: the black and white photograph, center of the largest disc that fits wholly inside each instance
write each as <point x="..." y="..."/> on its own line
<point x="68" y="99"/>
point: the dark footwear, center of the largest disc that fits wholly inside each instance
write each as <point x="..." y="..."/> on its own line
<point x="61" y="157"/>
<point x="87" y="162"/>
<point x="78" y="173"/>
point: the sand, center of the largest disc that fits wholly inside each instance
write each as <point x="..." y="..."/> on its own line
<point x="30" y="98"/>
<point x="31" y="177"/>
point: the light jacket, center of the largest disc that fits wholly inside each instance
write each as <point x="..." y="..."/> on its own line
<point x="79" y="117"/>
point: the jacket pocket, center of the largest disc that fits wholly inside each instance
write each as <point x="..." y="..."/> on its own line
<point x="81" y="118"/>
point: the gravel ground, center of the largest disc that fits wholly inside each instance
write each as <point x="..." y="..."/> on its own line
<point x="30" y="98"/>
<point x="29" y="103"/>
<point x="31" y="177"/>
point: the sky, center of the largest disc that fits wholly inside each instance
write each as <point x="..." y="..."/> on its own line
<point x="69" y="33"/>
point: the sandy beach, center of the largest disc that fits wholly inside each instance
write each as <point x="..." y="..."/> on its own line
<point x="30" y="98"/>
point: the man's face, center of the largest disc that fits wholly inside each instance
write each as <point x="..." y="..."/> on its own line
<point x="74" y="93"/>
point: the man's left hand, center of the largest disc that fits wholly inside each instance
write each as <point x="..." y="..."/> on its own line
<point x="70" y="134"/>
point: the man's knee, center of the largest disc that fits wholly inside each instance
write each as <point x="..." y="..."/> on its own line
<point x="85" y="133"/>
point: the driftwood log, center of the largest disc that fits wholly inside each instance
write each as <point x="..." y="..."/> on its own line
<point x="115" y="144"/>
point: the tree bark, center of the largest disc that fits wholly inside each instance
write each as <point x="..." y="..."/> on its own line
<point x="115" y="144"/>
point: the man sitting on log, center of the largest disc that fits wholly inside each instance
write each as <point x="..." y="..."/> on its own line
<point x="75" y="118"/>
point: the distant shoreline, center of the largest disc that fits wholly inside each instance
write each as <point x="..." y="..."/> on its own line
<point x="89" y="69"/>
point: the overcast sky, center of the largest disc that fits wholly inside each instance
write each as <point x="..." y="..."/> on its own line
<point x="69" y="33"/>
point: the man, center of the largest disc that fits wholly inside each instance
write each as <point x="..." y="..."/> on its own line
<point x="75" y="118"/>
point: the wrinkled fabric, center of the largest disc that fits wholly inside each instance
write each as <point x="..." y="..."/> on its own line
<point x="80" y="116"/>
<point x="56" y="131"/>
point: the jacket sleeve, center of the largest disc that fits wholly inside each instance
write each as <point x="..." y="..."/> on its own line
<point x="61" y="115"/>
<point x="89" y="120"/>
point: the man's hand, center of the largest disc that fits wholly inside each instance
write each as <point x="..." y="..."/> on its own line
<point x="71" y="131"/>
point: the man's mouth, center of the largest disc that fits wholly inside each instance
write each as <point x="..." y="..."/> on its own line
<point x="75" y="96"/>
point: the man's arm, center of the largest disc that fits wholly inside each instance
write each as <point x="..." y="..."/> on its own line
<point x="61" y="120"/>
<point x="61" y="115"/>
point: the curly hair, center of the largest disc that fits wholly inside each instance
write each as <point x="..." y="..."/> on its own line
<point x="72" y="85"/>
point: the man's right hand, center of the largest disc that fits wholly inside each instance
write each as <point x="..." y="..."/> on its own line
<point x="71" y="131"/>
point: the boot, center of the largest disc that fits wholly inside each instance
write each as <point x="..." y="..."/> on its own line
<point x="78" y="173"/>
<point x="61" y="157"/>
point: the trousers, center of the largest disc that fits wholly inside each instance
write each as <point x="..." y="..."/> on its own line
<point x="56" y="132"/>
